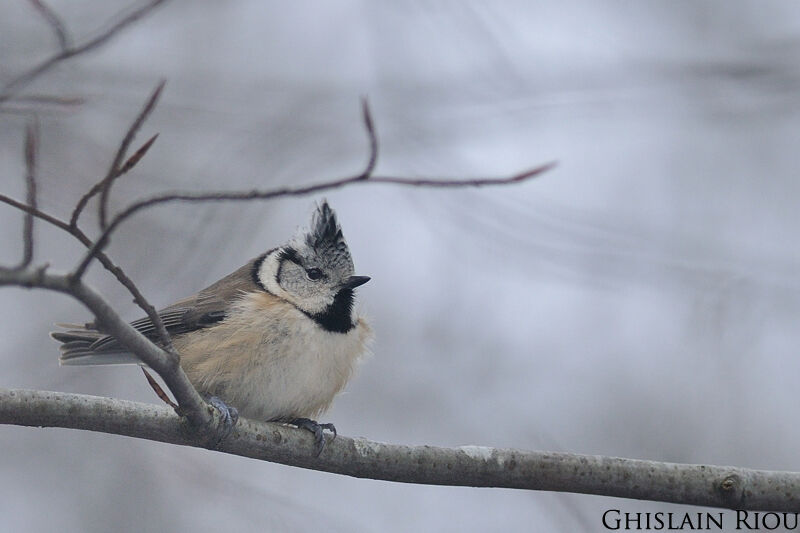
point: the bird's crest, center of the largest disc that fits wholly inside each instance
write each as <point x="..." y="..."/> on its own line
<point x="325" y="232"/>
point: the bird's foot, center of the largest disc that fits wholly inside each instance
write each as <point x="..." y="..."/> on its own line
<point x="228" y="414"/>
<point x="317" y="430"/>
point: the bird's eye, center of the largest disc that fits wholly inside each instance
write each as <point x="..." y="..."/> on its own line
<point x="314" y="274"/>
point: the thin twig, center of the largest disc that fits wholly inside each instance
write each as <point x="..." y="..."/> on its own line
<point x="97" y="187"/>
<point x="50" y="219"/>
<point x="55" y="23"/>
<point x="107" y="263"/>
<point x="166" y="364"/>
<point x="448" y="183"/>
<point x="366" y="175"/>
<point x="158" y="389"/>
<point x="115" y="170"/>
<point x="123" y="215"/>
<point x="31" y="144"/>
<point x="373" y="139"/>
<point x="165" y="360"/>
<point x="137" y="156"/>
<point x="49" y="99"/>
<point x="15" y="85"/>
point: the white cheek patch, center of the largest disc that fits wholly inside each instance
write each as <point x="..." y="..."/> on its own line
<point x="268" y="274"/>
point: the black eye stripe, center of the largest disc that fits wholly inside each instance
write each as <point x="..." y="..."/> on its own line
<point x="290" y="254"/>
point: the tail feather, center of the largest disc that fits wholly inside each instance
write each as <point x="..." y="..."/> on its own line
<point x="79" y="347"/>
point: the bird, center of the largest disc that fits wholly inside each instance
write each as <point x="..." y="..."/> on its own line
<point x="276" y="340"/>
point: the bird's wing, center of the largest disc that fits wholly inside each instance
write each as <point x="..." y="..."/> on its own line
<point x="88" y="345"/>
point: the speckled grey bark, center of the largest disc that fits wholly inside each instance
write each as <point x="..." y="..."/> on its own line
<point x="476" y="466"/>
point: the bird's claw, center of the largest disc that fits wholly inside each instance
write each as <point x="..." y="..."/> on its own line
<point x="228" y="414"/>
<point x="317" y="430"/>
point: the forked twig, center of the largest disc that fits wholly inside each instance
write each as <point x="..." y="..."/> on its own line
<point x="31" y="211"/>
<point x="55" y="23"/>
<point x="166" y="361"/>
<point x="117" y="168"/>
<point x="11" y="88"/>
<point x="132" y="209"/>
<point x="107" y="263"/>
<point x="365" y="176"/>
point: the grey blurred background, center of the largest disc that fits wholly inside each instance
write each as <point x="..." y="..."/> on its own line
<point x="639" y="301"/>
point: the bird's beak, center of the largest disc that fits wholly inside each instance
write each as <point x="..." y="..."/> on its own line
<point x="355" y="281"/>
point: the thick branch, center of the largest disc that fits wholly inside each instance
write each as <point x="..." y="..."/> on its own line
<point x="474" y="466"/>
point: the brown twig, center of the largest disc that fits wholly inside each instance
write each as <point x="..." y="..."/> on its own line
<point x="31" y="145"/>
<point x="137" y="155"/>
<point x="167" y="365"/>
<point x="11" y="88"/>
<point x="117" y="168"/>
<point x="364" y="176"/>
<point x="73" y="229"/>
<point x="132" y="209"/>
<point x="49" y="99"/>
<point x="158" y="389"/>
<point x="50" y="219"/>
<point x="107" y="263"/>
<point x="55" y="23"/>
<point x="369" y="125"/>
<point x="166" y="361"/>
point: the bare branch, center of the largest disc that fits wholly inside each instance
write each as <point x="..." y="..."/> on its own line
<point x="103" y="186"/>
<point x="54" y="21"/>
<point x="29" y="208"/>
<point x="166" y="364"/>
<point x="158" y="390"/>
<point x="102" y="241"/>
<point x="472" y="466"/>
<point x="459" y="183"/>
<point x="15" y="85"/>
<point x="116" y="170"/>
<point x="373" y="139"/>
<point x="55" y="221"/>
<point x="140" y="300"/>
<point x="107" y="263"/>
<point x="137" y="156"/>
<point x="66" y="101"/>
<point x="31" y="144"/>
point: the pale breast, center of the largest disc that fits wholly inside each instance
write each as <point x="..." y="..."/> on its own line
<point x="271" y="361"/>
